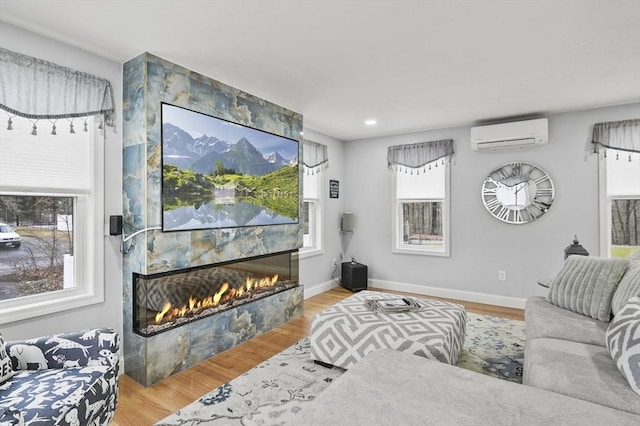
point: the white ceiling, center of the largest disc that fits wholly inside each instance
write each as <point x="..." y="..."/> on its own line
<point x="411" y="65"/>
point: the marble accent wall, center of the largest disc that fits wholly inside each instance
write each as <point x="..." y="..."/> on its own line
<point x="148" y="81"/>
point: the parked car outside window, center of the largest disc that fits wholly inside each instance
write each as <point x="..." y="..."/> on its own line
<point x="8" y="237"/>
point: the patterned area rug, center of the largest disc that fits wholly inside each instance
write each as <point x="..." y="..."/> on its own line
<point x="274" y="391"/>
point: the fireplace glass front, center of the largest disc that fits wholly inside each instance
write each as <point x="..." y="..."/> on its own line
<point x="167" y="300"/>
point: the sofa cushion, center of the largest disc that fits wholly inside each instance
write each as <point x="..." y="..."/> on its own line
<point x="623" y="342"/>
<point x="585" y="285"/>
<point x="629" y="284"/>
<point x="542" y="319"/>
<point x="396" y="388"/>
<point x="6" y="370"/>
<point x="578" y="370"/>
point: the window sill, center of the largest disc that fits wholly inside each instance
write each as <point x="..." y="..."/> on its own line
<point x="306" y="253"/>
<point x="420" y="252"/>
<point x="44" y="304"/>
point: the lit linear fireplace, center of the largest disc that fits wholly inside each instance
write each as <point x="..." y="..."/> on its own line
<point x="168" y="300"/>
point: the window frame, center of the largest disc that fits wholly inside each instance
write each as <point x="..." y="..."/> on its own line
<point x="397" y="244"/>
<point x="604" y="201"/>
<point x="88" y="244"/>
<point x="316" y="222"/>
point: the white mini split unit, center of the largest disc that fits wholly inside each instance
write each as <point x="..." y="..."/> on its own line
<point x="517" y="134"/>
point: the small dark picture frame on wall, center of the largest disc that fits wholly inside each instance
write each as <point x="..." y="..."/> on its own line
<point x="334" y="188"/>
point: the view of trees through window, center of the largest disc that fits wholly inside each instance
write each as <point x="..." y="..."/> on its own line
<point x="306" y="230"/>
<point x="625" y="227"/>
<point x="422" y="223"/>
<point x="311" y="213"/>
<point x="36" y="240"/>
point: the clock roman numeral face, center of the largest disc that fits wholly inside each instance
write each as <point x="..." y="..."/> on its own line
<point x="518" y="192"/>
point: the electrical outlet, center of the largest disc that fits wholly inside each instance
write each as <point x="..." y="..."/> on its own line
<point x="335" y="262"/>
<point x="502" y="275"/>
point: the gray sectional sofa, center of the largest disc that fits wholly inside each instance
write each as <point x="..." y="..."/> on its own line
<point x="577" y="363"/>
<point x="570" y="375"/>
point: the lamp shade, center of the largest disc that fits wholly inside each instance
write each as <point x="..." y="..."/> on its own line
<point x="348" y="222"/>
<point x="575" y="248"/>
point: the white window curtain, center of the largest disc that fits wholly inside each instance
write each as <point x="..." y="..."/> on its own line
<point x="414" y="156"/>
<point x="315" y="157"/>
<point x="39" y="90"/>
<point x="618" y="135"/>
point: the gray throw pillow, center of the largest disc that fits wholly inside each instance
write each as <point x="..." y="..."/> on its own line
<point x="623" y="342"/>
<point x="629" y="284"/>
<point x="585" y="285"/>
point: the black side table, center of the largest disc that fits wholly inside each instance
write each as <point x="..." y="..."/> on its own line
<point x="354" y="276"/>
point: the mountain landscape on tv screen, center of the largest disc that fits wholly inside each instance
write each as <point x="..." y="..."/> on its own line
<point x="212" y="183"/>
<point x="180" y="149"/>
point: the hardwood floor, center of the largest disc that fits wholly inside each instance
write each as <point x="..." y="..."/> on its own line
<point x="138" y="405"/>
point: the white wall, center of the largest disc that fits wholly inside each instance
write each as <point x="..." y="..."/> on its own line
<point x="315" y="271"/>
<point x="480" y="244"/>
<point x="108" y="313"/>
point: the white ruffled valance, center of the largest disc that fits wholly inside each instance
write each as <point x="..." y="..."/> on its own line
<point x="315" y="157"/>
<point x="37" y="89"/>
<point x="418" y="154"/>
<point x="619" y="135"/>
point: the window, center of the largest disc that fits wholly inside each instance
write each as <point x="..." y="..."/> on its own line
<point x="311" y="215"/>
<point x="620" y="205"/>
<point x="316" y="160"/>
<point x="51" y="188"/>
<point x="421" y="210"/>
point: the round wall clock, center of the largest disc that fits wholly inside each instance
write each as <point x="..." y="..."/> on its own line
<point x="518" y="192"/>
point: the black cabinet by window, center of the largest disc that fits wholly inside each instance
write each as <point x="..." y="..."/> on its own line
<point x="354" y="276"/>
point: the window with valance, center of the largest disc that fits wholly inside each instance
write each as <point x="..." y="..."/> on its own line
<point x="315" y="157"/>
<point x="315" y="160"/>
<point x="52" y="185"/>
<point x="421" y="202"/>
<point x="619" y="186"/>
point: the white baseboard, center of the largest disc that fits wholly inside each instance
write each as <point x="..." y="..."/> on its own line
<point x="314" y="290"/>
<point x="467" y="296"/>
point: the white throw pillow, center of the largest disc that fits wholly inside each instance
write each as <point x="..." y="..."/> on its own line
<point x="623" y="342"/>
<point x="6" y="369"/>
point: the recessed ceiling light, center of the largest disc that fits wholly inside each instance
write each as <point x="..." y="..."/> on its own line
<point x="370" y="122"/>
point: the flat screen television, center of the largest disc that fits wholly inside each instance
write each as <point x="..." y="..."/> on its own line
<point x="220" y="174"/>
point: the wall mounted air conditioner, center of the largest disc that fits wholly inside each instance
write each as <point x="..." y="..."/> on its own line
<point x="517" y="134"/>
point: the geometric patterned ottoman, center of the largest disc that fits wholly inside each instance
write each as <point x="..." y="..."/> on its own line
<point x="343" y="334"/>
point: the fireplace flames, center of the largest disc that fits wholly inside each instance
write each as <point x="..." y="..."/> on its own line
<point x="223" y="295"/>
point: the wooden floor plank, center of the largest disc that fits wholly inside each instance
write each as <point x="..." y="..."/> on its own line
<point x="139" y="406"/>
